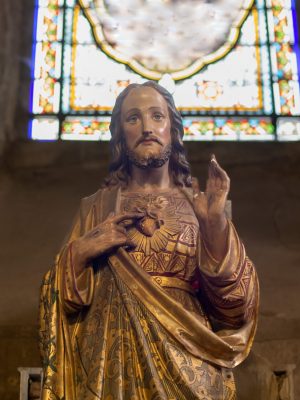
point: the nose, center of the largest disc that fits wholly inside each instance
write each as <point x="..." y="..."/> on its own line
<point x="147" y="128"/>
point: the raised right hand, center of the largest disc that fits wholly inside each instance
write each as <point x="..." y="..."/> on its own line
<point x="102" y="239"/>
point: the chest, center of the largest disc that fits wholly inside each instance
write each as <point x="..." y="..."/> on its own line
<point x="166" y="238"/>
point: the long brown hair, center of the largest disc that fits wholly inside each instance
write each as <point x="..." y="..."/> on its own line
<point x="119" y="169"/>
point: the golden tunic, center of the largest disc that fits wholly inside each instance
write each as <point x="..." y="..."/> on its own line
<point x="133" y="325"/>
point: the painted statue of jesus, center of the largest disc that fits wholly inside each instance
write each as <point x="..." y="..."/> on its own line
<point x="152" y="296"/>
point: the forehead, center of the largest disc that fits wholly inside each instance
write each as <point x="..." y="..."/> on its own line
<point x="144" y="97"/>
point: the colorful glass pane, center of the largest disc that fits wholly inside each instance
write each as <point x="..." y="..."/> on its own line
<point x="245" y="95"/>
<point x="86" y="128"/>
<point x="223" y="128"/>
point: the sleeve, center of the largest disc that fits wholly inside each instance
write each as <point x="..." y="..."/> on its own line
<point x="75" y="292"/>
<point x="62" y="294"/>
<point x="229" y="288"/>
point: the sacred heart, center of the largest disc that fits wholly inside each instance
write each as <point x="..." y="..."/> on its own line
<point x="158" y="37"/>
<point x="148" y="226"/>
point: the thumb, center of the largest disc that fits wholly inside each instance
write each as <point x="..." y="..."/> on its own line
<point x="195" y="187"/>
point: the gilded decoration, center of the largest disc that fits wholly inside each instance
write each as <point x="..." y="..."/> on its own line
<point x="171" y="249"/>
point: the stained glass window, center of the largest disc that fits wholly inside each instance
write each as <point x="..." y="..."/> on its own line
<point x="247" y="90"/>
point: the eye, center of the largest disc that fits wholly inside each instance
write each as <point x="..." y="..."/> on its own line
<point x="132" y="118"/>
<point x="157" y="116"/>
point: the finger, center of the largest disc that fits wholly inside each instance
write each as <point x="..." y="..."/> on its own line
<point x="120" y="229"/>
<point x="210" y="184"/>
<point x="130" y="244"/>
<point x="127" y="216"/>
<point x="195" y="187"/>
<point x="220" y="173"/>
<point x="114" y="238"/>
<point x="211" y="181"/>
<point x="217" y="168"/>
<point x="223" y="178"/>
<point x="226" y="185"/>
<point x="214" y="166"/>
<point x="213" y="174"/>
<point x="97" y="231"/>
<point x="120" y="241"/>
<point x="124" y="241"/>
<point x="126" y="223"/>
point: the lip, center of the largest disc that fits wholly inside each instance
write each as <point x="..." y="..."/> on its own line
<point x="149" y="141"/>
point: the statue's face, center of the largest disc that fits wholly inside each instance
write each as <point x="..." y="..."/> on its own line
<point x="146" y="127"/>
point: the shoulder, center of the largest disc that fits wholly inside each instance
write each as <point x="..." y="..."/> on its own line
<point x="89" y="201"/>
<point x="101" y="194"/>
<point x="100" y="203"/>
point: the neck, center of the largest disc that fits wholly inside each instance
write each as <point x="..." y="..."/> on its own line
<point x="150" y="178"/>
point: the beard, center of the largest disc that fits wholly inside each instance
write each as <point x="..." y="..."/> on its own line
<point x="154" y="159"/>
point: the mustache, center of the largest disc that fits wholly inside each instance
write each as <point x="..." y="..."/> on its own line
<point x="148" y="137"/>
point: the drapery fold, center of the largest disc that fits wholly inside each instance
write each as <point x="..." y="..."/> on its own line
<point x="226" y="348"/>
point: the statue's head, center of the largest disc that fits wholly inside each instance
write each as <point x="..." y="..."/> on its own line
<point x="124" y="143"/>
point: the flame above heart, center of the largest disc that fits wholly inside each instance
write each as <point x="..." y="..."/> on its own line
<point x="157" y="37"/>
